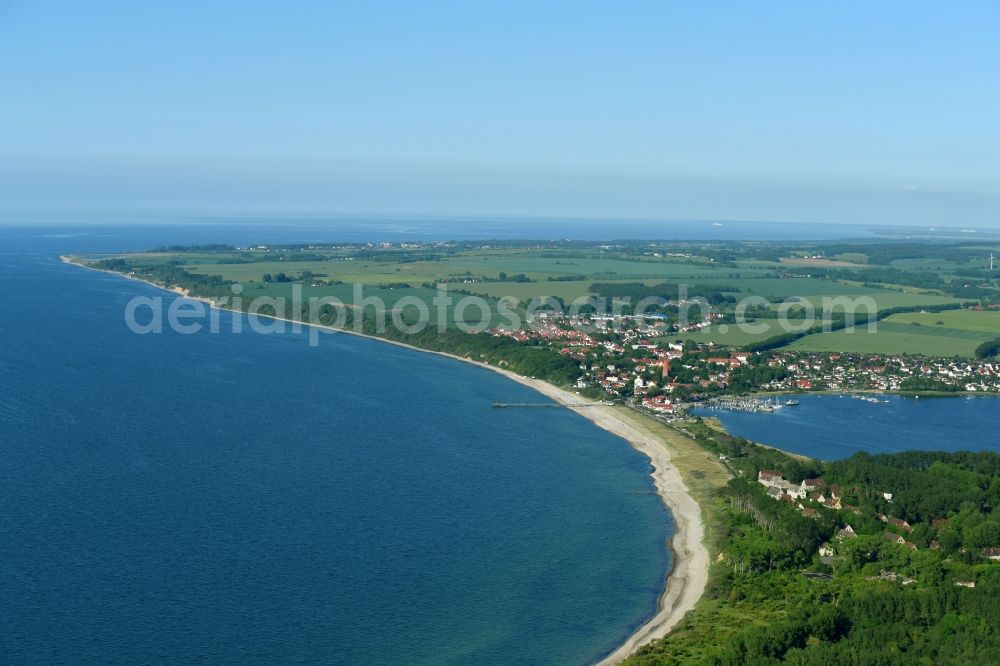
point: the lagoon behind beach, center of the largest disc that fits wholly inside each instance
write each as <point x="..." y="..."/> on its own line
<point x="835" y="426"/>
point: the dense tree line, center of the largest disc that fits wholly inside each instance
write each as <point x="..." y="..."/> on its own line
<point x="537" y="361"/>
<point x="771" y="600"/>
<point x="170" y="273"/>
<point x="988" y="349"/>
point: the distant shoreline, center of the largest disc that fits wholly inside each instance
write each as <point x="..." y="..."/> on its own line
<point x="688" y="573"/>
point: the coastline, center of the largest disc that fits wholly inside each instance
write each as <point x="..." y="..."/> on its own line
<point x="688" y="574"/>
<point x="714" y="423"/>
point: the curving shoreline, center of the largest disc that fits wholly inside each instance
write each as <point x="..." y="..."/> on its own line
<point x="688" y="574"/>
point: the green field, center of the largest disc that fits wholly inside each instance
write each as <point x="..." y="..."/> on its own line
<point x="729" y="335"/>
<point x="778" y="290"/>
<point x="393" y="300"/>
<point x="464" y="264"/>
<point x="927" y="264"/>
<point x="569" y="273"/>
<point x="568" y="291"/>
<point x="885" y="300"/>
<point x="969" y="320"/>
<point x="775" y="290"/>
<point x="958" y="334"/>
<point x="898" y="336"/>
<point x="477" y="271"/>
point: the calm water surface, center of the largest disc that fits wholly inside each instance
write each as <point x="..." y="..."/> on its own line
<point x="831" y="427"/>
<point x="247" y="498"/>
<point x="204" y="498"/>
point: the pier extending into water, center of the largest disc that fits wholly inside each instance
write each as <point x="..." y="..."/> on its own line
<point x="505" y="405"/>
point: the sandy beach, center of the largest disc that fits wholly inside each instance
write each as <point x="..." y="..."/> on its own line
<point x="690" y="560"/>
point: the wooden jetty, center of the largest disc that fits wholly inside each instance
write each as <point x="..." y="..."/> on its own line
<point x="506" y="405"/>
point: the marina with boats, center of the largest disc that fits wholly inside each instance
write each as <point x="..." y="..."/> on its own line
<point x="745" y="404"/>
<point x="773" y="404"/>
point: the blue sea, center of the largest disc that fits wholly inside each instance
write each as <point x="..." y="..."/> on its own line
<point x="134" y="231"/>
<point x="250" y="499"/>
<point x="832" y="427"/>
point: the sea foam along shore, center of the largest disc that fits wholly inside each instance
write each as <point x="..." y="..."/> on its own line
<point x="689" y="570"/>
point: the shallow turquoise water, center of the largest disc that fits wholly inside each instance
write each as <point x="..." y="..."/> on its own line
<point x="219" y="497"/>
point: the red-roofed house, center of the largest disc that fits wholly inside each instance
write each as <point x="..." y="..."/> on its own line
<point x="901" y="524"/>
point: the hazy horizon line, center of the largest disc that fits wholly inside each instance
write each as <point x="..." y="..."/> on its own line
<point x="72" y="215"/>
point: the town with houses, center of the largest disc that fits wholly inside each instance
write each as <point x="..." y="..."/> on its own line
<point x="665" y="375"/>
<point x="630" y="358"/>
<point x="810" y="496"/>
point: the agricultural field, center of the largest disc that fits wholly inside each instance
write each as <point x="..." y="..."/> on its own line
<point x="819" y="262"/>
<point x="399" y="299"/>
<point x="778" y="290"/>
<point x="969" y="320"/>
<point x="359" y="271"/>
<point x="902" y="336"/>
<point x="463" y="265"/>
<point x="948" y="333"/>
<point x="566" y="290"/>
<point x="888" y="286"/>
<point x="885" y="299"/>
<point x="724" y="274"/>
<point x="943" y="266"/>
<point x="729" y="335"/>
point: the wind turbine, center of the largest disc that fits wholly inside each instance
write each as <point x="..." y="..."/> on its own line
<point x="991" y="262"/>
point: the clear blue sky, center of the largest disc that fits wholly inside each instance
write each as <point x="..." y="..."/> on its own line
<point x="853" y="112"/>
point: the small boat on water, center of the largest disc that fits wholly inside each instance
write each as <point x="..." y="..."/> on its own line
<point x="791" y="403"/>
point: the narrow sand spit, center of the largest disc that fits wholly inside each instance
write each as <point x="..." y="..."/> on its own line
<point x="689" y="572"/>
